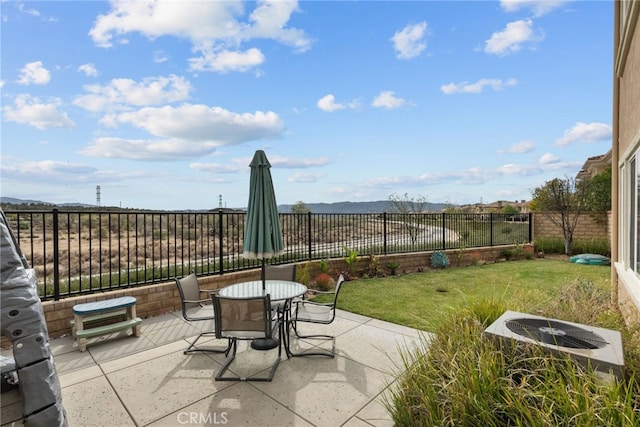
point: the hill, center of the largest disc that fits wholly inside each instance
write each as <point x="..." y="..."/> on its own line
<point x="322" y="208"/>
<point x="356" y="207"/>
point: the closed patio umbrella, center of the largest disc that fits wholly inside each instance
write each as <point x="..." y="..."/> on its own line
<point x="262" y="234"/>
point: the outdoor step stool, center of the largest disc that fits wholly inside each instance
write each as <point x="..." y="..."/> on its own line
<point x="84" y="315"/>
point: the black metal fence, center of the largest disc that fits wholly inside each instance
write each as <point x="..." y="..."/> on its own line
<point x="80" y="252"/>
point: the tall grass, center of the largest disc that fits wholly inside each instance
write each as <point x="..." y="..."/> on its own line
<point x="464" y="378"/>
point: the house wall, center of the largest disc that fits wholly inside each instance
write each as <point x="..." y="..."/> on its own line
<point x="625" y="144"/>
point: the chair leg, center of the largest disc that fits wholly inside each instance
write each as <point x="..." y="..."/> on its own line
<point x="331" y="354"/>
<point x="193" y="349"/>
<point x="234" y="344"/>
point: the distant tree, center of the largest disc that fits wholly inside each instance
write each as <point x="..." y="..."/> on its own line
<point x="562" y="200"/>
<point x="407" y="207"/>
<point x="509" y="210"/>
<point x="300" y="208"/>
<point x="599" y="196"/>
<point x="301" y="220"/>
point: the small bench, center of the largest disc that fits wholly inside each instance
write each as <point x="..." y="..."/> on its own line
<point x="88" y="314"/>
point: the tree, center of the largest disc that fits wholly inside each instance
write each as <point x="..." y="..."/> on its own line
<point x="300" y="208"/>
<point x="599" y="197"/>
<point x="562" y="201"/>
<point x="407" y="208"/>
<point x="509" y="210"/>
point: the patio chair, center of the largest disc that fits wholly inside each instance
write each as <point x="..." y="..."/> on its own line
<point x="320" y="313"/>
<point x="195" y="310"/>
<point x="280" y="272"/>
<point x="245" y="319"/>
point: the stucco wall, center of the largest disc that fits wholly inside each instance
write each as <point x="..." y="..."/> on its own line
<point x="628" y="136"/>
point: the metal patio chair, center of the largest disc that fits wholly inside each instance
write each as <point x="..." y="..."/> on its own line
<point x="245" y="319"/>
<point x="196" y="309"/>
<point x="308" y="311"/>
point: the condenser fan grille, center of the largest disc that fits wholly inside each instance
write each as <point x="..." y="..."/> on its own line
<point x="556" y="333"/>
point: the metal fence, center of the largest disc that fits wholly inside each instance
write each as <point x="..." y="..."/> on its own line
<point x="87" y="251"/>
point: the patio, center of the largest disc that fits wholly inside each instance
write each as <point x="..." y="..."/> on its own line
<point x="148" y="381"/>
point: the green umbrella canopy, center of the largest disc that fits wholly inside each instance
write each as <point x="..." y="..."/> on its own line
<point x="262" y="234"/>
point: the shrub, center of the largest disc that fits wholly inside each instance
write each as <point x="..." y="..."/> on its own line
<point x="550" y="245"/>
<point x="393" y="266"/>
<point x="323" y="281"/>
<point x="461" y="377"/>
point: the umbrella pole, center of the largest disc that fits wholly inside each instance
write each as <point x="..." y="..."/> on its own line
<point x="264" y="343"/>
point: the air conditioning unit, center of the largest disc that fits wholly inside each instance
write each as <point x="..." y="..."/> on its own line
<point x="599" y="347"/>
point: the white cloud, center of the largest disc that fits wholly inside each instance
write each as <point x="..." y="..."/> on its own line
<point x="477" y="87"/>
<point x="410" y="41"/>
<point x="34" y="73"/>
<point x="120" y="94"/>
<point x="388" y="100"/>
<point x="306" y="177"/>
<point x="328" y="103"/>
<point x="294" y="163"/>
<point x="184" y="132"/>
<point x="33" y="112"/>
<point x="216" y="29"/>
<point x="160" y="56"/>
<point x="548" y="158"/>
<point x="512" y="38"/>
<point x="586" y="132"/>
<point x="522" y="147"/>
<point x="538" y="7"/>
<point x="88" y="69"/>
<point x="226" y="61"/>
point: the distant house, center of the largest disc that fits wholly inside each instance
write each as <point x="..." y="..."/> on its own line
<point x="522" y="206"/>
<point x="625" y="159"/>
<point x="594" y="165"/>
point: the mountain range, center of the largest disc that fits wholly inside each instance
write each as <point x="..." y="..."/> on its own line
<point x="338" y="207"/>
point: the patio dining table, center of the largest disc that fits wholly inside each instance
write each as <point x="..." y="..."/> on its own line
<point x="279" y="291"/>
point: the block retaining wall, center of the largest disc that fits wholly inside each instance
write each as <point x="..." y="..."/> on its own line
<point x="590" y="226"/>
<point x="154" y="300"/>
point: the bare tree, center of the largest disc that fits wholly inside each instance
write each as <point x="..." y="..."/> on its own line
<point x="408" y="209"/>
<point x="562" y="200"/>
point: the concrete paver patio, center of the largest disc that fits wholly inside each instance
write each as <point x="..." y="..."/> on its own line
<point x="148" y="381"/>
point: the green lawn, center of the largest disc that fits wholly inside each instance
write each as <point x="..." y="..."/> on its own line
<point x="419" y="300"/>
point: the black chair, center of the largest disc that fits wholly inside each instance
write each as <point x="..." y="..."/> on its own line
<point x="245" y="319"/>
<point x="280" y="272"/>
<point x="320" y="313"/>
<point x="196" y="309"/>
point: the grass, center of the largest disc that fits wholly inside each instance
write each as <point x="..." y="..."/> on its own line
<point x="420" y="300"/>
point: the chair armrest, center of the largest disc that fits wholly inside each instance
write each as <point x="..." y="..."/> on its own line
<point x="317" y="304"/>
<point x="318" y="292"/>
<point x="198" y="301"/>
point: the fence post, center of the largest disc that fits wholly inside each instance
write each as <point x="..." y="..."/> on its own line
<point x="444" y="233"/>
<point x="490" y="228"/>
<point x="531" y="227"/>
<point x="220" y="241"/>
<point x="56" y="257"/>
<point x="384" y="232"/>
<point x="309" y="217"/>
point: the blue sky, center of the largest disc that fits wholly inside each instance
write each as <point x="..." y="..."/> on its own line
<point x="163" y="104"/>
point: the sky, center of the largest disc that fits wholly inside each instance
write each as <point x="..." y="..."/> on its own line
<point x="162" y="104"/>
